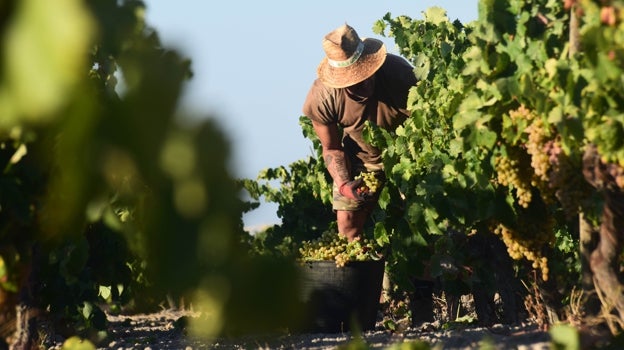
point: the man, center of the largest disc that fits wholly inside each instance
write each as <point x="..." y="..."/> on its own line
<point x="358" y="81"/>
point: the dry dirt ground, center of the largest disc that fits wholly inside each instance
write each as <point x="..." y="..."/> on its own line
<point x="162" y="331"/>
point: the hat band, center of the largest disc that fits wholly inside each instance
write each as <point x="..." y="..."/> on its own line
<point x="349" y="61"/>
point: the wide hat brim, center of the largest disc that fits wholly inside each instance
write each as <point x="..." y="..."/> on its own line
<point x="373" y="56"/>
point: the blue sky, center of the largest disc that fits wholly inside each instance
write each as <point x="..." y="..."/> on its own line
<point x="253" y="62"/>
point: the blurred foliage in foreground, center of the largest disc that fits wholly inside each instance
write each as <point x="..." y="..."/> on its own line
<point x="105" y="194"/>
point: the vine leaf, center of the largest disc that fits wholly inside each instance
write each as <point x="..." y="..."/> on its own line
<point x="422" y="66"/>
<point x="464" y="118"/>
<point x="436" y="15"/>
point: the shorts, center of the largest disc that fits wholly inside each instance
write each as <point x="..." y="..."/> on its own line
<point x="341" y="202"/>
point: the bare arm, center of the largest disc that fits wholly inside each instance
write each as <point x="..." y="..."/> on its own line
<point x="333" y="153"/>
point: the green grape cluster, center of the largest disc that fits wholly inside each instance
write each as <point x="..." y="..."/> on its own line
<point x="521" y="113"/>
<point x="539" y="146"/>
<point x="536" y="147"/>
<point x="371" y="183"/>
<point x="333" y="246"/>
<point x="510" y="173"/>
<point x="536" y="144"/>
<point x="527" y="242"/>
<point x="552" y="170"/>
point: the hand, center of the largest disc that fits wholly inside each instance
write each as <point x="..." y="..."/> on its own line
<point x="352" y="189"/>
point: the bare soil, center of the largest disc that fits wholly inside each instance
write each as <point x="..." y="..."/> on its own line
<point x="164" y="330"/>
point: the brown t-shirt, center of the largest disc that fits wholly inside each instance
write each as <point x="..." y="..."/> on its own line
<point x="387" y="108"/>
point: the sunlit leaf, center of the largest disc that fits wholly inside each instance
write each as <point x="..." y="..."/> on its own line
<point x="77" y="343"/>
<point x="422" y="66"/>
<point x="551" y="67"/>
<point x="486" y="138"/>
<point x="105" y="292"/>
<point x="436" y="15"/>
<point x="462" y="119"/>
<point x="45" y="54"/>
<point x="381" y="234"/>
<point x="565" y="337"/>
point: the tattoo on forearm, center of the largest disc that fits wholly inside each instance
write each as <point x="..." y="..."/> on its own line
<point x="341" y="168"/>
<point x="337" y="166"/>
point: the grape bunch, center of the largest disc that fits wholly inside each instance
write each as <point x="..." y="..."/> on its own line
<point x="511" y="173"/>
<point x="370" y="183"/>
<point x="332" y="246"/>
<point x="534" y="141"/>
<point x="537" y="148"/>
<point x="555" y="174"/>
<point x="527" y="242"/>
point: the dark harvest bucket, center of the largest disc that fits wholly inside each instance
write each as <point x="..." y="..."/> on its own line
<point x="335" y="297"/>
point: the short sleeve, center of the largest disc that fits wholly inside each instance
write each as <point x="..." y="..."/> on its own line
<point x="320" y="104"/>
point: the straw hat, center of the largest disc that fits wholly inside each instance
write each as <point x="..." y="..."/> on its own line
<point x="349" y="59"/>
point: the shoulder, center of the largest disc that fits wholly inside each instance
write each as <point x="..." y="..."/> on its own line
<point x="322" y="102"/>
<point x="319" y="93"/>
<point x="397" y="68"/>
<point x="394" y="63"/>
<point x="318" y="86"/>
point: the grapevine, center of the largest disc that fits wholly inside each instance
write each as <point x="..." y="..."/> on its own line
<point x="332" y="246"/>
